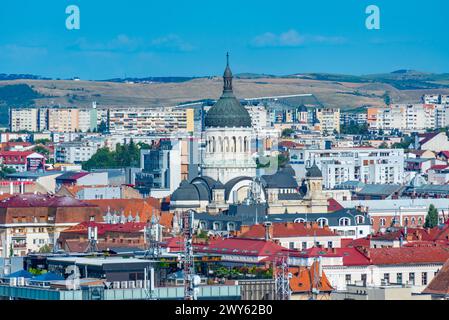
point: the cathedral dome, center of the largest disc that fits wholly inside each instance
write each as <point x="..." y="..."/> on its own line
<point x="228" y="112"/>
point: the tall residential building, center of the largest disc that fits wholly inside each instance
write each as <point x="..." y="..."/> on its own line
<point x="53" y="119"/>
<point x="150" y="120"/>
<point x="161" y="169"/>
<point x="327" y="120"/>
<point x="409" y="117"/>
<point x="25" y="119"/>
<point x="367" y="165"/>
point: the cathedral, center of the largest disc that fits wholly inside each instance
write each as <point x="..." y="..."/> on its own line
<point x="228" y="169"/>
<point x="228" y="137"/>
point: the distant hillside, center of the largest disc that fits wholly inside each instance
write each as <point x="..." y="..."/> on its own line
<point x="17" y="95"/>
<point x="331" y="90"/>
<point x="4" y="77"/>
<point x="400" y="79"/>
<point x="151" y="79"/>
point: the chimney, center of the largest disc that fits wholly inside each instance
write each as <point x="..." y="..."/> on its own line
<point x="268" y="231"/>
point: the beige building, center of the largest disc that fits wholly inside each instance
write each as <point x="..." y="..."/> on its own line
<point x="24" y="119"/>
<point x="327" y="120"/>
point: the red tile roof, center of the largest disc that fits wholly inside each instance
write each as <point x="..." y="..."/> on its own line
<point x="304" y="280"/>
<point x="440" y="284"/>
<point x="241" y="246"/>
<point x="42" y="201"/>
<point x="439" y="167"/>
<point x="144" y="207"/>
<point x="102" y="228"/>
<point x="286" y="230"/>
<point x="409" y="255"/>
<point x="333" y="205"/>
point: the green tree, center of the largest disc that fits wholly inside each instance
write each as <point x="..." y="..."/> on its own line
<point x="45" y="249"/>
<point x="42" y="141"/>
<point x="384" y="145"/>
<point x="42" y="150"/>
<point x="4" y="171"/>
<point x="432" y="217"/>
<point x="287" y="133"/>
<point x="102" y="127"/>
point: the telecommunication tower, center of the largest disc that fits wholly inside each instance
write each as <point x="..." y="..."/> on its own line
<point x="92" y="235"/>
<point x="189" y="265"/>
<point x="153" y="236"/>
<point x="282" y="278"/>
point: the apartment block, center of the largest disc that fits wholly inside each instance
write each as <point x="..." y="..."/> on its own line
<point x="25" y="119"/>
<point x="367" y="165"/>
<point x="150" y="120"/>
<point x="327" y="120"/>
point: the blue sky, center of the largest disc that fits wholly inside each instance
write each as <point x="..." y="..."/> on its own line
<point x="140" y="38"/>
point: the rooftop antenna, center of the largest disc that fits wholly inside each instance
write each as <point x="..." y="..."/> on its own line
<point x="92" y="235"/>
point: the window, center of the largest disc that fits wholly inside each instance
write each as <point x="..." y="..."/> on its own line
<point x="329" y="244"/>
<point x="387" y="277"/>
<point x="304" y="245"/>
<point x="348" y="278"/>
<point x="360" y="219"/>
<point x="399" y="278"/>
<point x="322" y="222"/>
<point x="291" y="245"/>
<point x="364" y="278"/>
<point x="344" y="222"/>
<point x="420" y="221"/>
<point x="424" y="278"/>
<point x="411" y="278"/>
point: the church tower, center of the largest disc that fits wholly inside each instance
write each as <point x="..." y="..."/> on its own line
<point x="228" y="136"/>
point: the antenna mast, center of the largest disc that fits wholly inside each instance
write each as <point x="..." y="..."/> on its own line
<point x="153" y="236"/>
<point x="92" y="235"/>
<point x="282" y="278"/>
<point x="189" y="265"/>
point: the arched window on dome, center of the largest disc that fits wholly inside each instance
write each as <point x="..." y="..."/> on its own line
<point x="226" y="144"/>
<point x="214" y="145"/>
<point x="245" y="144"/>
<point x="240" y="144"/>
<point x="300" y="220"/>
<point x="234" y="144"/>
<point x="220" y="144"/>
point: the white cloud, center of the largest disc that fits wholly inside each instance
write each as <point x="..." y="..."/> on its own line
<point x="125" y="44"/>
<point x="291" y="38"/>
